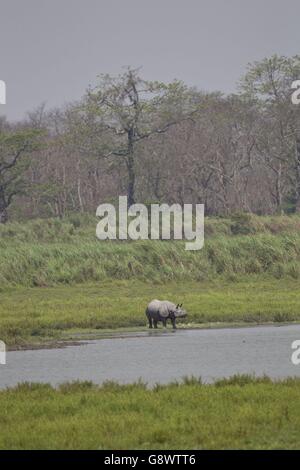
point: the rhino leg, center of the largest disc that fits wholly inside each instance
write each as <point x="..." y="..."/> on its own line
<point x="148" y="315"/>
<point x="155" y="323"/>
<point x="164" y="322"/>
<point x="173" y="320"/>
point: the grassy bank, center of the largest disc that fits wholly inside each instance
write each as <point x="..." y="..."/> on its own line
<point x="32" y="315"/>
<point x="58" y="280"/>
<point x="239" y="413"/>
<point x="51" y="252"/>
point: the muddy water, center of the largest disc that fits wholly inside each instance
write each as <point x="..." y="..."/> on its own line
<point x="160" y="357"/>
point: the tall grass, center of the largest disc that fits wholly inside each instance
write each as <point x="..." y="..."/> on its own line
<point x="50" y="252"/>
<point x="248" y="271"/>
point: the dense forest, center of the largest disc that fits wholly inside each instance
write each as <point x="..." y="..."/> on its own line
<point x="158" y="142"/>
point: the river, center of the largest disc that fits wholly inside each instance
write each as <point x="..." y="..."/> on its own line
<point x="160" y="357"/>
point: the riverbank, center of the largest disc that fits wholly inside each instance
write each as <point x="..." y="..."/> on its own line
<point x="236" y="413"/>
<point x="59" y="283"/>
<point x="49" y="253"/>
<point x="37" y="317"/>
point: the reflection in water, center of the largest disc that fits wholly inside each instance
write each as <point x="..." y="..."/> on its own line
<point x="160" y="356"/>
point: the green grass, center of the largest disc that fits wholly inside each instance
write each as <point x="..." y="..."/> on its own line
<point x="57" y="279"/>
<point x="58" y="282"/>
<point x="52" y="252"/>
<point x="240" y="413"/>
<point x="32" y="315"/>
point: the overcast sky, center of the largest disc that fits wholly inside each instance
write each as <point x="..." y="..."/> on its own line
<point x="51" y="50"/>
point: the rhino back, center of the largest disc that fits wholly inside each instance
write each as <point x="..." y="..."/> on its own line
<point x="162" y="308"/>
<point x="168" y="304"/>
<point x="159" y="308"/>
<point x="153" y="306"/>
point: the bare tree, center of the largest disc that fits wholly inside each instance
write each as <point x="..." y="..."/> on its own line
<point x="14" y="148"/>
<point x="133" y="110"/>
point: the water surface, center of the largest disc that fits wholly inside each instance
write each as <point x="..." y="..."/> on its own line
<point x="160" y="357"/>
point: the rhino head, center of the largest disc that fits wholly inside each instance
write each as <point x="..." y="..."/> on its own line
<point x="179" y="311"/>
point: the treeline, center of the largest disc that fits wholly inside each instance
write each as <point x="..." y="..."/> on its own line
<point x="159" y="142"/>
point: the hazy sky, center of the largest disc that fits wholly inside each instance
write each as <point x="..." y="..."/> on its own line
<point x="51" y="50"/>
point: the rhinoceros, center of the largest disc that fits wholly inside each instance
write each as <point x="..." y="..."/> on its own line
<point x="161" y="310"/>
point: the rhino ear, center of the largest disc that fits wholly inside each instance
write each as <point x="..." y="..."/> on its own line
<point x="177" y="306"/>
<point x="180" y="305"/>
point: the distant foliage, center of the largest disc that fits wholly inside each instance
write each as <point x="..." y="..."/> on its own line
<point x="162" y="142"/>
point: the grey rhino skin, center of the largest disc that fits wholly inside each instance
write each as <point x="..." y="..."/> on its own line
<point x="161" y="310"/>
